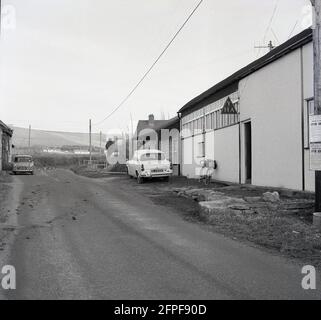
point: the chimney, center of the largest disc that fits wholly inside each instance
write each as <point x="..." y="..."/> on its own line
<point x="151" y="119"/>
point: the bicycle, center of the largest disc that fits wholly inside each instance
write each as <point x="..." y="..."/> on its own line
<point x="207" y="170"/>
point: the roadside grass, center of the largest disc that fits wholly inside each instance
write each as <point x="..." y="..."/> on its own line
<point x="89" y="172"/>
<point x="288" y="235"/>
<point x="292" y="235"/>
<point x="62" y="160"/>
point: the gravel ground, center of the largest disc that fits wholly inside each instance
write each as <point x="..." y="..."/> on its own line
<point x="5" y="188"/>
<point x="292" y="236"/>
<point x="77" y="237"/>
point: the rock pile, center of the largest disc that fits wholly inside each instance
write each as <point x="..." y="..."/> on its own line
<point x="212" y="202"/>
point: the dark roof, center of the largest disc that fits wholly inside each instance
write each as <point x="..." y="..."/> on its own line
<point x="295" y="42"/>
<point x="157" y="124"/>
<point x="6" y="129"/>
<point x="170" y="123"/>
<point x="146" y="124"/>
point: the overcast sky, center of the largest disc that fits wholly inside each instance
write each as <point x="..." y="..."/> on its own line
<point x="65" y="61"/>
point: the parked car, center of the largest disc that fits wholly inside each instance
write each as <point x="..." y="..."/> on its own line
<point x="22" y="164"/>
<point x="148" y="164"/>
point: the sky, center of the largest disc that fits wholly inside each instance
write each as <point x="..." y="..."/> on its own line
<point x="63" y="62"/>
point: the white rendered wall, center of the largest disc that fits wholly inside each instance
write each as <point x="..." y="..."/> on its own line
<point x="271" y="98"/>
<point x="226" y="154"/>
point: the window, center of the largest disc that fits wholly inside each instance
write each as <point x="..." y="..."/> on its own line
<point x="152" y="156"/>
<point x="175" y="144"/>
<point x="22" y="159"/>
<point x="195" y="125"/>
<point x="223" y="120"/>
<point x="208" y="122"/>
<point x="200" y="124"/>
<point x="201" y="149"/>
<point x="197" y="121"/>
<point x="310" y="106"/>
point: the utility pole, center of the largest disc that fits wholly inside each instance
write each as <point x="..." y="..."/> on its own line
<point x="317" y="86"/>
<point x="29" y="139"/>
<point x="89" y="141"/>
<point x="131" y="138"/>
<point x="0" y="17"/>
<point x="100" y="142"/>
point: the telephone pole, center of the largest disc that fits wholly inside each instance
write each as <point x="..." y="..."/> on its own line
<point x="29" y="139"/>
<point x="131" y="149"/>
<point x="317" y="86"/>
<point x="89" y="141"/>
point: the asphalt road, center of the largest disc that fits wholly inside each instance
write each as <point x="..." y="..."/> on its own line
<point x="81" y="238"/>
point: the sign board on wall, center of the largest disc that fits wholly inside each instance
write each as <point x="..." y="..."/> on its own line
<point x="228" y="107"/>
<point x="315" y="142"/>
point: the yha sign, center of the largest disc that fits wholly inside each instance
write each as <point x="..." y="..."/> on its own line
<point x="8" y="274"/>
<point x="228" y="107"/>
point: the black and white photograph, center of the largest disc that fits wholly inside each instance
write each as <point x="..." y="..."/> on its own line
<point x="161" y="155"/>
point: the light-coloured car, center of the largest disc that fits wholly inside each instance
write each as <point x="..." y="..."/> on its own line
<point x="23" y="164"/>
<point x="148" y="164"/>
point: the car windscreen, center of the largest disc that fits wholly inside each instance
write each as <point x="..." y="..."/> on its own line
<point x="22" y="159"/>
<point x="152" y="156"/>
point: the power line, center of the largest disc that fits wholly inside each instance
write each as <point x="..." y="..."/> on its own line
<point x="265" y="35"/>
<point x="152" y="66"/>
<point x="268" y="26"/>
<point x="271" y="20"/>
<point x="275" y="36"/>
<point x="296" y="23"/>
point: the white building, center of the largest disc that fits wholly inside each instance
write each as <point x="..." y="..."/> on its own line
<point x="266" y="142"/>
<point x="162" y="135"/>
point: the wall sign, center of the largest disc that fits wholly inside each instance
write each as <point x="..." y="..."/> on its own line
<point x="315" y="142"/>
<point x="228" y="107"/>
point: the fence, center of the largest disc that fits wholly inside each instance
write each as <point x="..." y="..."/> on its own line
<point x="95" y="164"/>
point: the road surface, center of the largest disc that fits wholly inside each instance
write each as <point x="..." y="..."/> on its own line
<point x="80" y="238"/>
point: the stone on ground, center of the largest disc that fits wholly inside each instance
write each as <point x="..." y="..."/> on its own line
<point x="271" y="196"/>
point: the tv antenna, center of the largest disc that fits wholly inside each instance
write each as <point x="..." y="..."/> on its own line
<point x="270" y="46"/>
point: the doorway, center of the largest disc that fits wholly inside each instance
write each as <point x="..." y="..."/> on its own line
<point x="248" y="152"/>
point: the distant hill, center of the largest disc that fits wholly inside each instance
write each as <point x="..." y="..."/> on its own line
<point x="53" y="138"/>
